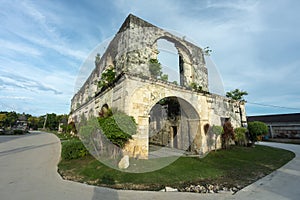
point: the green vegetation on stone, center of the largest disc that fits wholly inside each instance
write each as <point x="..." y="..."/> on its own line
<point x="118" y="128"/>
<point x="108" y="76"/>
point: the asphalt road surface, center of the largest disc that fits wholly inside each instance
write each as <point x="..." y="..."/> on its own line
<point x="28" y="171"/>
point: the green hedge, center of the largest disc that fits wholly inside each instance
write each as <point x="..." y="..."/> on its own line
<point x="73" y="149"/>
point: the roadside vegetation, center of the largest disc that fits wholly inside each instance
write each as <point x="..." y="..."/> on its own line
<point x="20" y="123"/>
<point x="238" y="166"/>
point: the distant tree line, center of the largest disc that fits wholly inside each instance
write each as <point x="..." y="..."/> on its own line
<point x="51" y="121"/>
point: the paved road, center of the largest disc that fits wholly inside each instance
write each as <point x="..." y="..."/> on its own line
<point x="28" y="170"/>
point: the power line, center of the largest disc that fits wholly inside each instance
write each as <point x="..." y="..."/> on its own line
<point x="274" y="106"/>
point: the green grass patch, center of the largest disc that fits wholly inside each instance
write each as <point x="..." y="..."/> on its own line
<point x="62" y="136"/>
<point x="236" y="166"/>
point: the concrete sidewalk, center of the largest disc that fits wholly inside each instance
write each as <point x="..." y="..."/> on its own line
<point x="281" y="184"/>
<point x="28" y="168"/>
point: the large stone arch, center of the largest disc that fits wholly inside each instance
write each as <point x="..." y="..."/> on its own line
<point x="173" y="122"/>
<point x="144" y="98"/>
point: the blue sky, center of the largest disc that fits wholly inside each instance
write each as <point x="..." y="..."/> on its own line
<point x="44" y="44"/>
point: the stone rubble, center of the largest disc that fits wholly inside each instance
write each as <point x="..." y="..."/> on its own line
<point x="124" y="162"/>
<point x="209" y="188"/>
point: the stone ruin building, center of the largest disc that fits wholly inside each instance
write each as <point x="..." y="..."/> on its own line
<point x="167" y="114"/>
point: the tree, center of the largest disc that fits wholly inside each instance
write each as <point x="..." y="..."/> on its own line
<point x="155" y="68"/>
<point x="237" y="94"/>
<point x="41" y="120"/>
<point x="33" y="122"/>
<point x="97" y="59"/>
<point x="52" y="121"/>
<point x="257" y="128"/>
<point x="2" y="120"/>
<point x="11" y="119"/>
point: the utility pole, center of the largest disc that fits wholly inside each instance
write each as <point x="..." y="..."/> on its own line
<point x="45" y="121"/>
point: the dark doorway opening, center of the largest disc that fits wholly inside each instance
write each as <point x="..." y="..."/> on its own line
<point x="174" y="136"/>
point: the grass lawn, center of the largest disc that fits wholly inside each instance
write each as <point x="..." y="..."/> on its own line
<point x="238" y="166"/>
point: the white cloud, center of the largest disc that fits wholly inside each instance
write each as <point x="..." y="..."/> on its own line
<point x="254" y="43"/>
<point x="16" y="97"/>
<point x="17" y="47"/>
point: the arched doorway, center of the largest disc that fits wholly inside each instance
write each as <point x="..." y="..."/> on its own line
<point x="173" y="123"/>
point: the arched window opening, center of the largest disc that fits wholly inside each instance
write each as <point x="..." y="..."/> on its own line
<point x="105" y="111"/>
<point x="168" y="57"/>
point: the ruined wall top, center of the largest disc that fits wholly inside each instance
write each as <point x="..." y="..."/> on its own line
<point x="134" y="20"/>
<point x="135" y="45"/>
<point x="132" y="48"/>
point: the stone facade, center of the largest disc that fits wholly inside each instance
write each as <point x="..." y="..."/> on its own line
<point x="137" y="94"/>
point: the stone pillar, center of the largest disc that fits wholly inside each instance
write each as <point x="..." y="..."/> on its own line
<point x="138" y="147"/>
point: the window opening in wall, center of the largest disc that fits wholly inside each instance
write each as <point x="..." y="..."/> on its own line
<point x="181" y="70"/>
<point x="168" y="57"/>
<point x="224" y="119"/>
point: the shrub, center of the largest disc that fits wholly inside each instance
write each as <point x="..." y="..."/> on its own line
<point x="71" y="128"/>
<point x="164" y="77"/>
<point x="73" y="149"/>
<point x="257" y="128"/>
<point x="196" y="87"/>
<point x="240" y="136"/>
<point x="18" y="132"/>
<point x="216" y="130"/>
<point x="228" y="134"/>
<point x="118" y="128"/>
